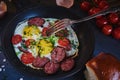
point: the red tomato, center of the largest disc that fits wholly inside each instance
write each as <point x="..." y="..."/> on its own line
<point x="101" y="21"/>
<point x="28" y="42"/>
<point x="113" y="18"/>
<point x="85" y="5"/>
<point x="16" y="39"/>
<point x="118" y="24"/>
<point x="94" y="10"/>
<point x="44" y="31"/>
<point x="103" y="4"/>
<point x="64" y="42"/>
<point x="96" y="1"/>
<point x="116" y="33"/>
<point x="107" y="29"/>
<point x="27" y="58"/>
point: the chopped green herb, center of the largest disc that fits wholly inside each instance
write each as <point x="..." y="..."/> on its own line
<point x="17" y="53"/>
<point x="23" y="45"/>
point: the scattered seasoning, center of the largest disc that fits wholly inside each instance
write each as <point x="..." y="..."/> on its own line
<point x="0" y="69"/>
<point x="21" y="79"/>
<point x="2" y="66"/>
<point x="3" y="69"/>
<point x="4" y="60"/>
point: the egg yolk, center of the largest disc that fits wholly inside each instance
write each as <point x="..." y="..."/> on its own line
<point x="45" y="47"/>
<point x="31" y="32"/>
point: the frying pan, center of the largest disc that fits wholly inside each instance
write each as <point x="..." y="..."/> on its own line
<point x="83" y="30"/>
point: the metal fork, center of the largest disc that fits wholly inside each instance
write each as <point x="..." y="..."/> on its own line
<point x="61" y="24"/>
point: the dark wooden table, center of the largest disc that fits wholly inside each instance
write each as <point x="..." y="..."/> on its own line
<point x="102" y="43"/>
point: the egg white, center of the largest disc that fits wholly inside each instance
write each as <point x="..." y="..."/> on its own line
<point x="72" y="37"/>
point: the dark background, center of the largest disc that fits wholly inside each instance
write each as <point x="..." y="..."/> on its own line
<point x="102" y="43"/>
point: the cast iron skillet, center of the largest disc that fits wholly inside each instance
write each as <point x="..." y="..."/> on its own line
<point x="83" y="31"/>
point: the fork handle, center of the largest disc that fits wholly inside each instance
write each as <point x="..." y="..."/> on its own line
<point x="103" y="12"/>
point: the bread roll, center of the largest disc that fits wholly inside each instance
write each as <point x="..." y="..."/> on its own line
<point x="3" y="8"/>
<point x="65" y="3"/>
<point x="103" y="67"/>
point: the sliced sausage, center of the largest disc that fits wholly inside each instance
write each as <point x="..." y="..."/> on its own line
<point x="51" y="68"/>
<point x="36" y="21"/>
<point x="58" y="54"/>
<point x="67" y="64"/>
<point x="40" y="62"/>
<point x="22" y="49"/>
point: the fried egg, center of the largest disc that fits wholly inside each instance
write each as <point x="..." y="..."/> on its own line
<point x="31" y="32"/>
<point x="43" y="46"/>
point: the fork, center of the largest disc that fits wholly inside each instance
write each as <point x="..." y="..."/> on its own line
<point x="63" y="23"/>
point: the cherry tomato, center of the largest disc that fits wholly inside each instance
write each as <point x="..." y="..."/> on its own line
<point x="16" y="39"/>
<point x="85" y="5"/>
<point x="101" y="21"/>
<point x="118" y="24"/>
<point x="27" y="58"/>
<point x="113" y="18"/>
<point x="116" y="33"/>
<point x="107" y="29"/>
<point x="28" y="42"/>
<point x="103" y="4"/>
<point x="64" y="42"/>
<point x="94" y="10"/>
<point x="96" y="1"/>
<point x="44" y="31"/>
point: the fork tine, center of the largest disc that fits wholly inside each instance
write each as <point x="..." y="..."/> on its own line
<point x="54" y="29"/>
<point x="50" y="30"/>
<point x="55" y="25"/>
<point x="59" y="22"/>
<point x="59" y="25"/>
<point x="58" y="29"/>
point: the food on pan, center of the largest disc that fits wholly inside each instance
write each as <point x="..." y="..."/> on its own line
<point x="58" y="54"/>
<point x="51" y="67"/>
<point x="67" y="64"/>
<point x="39" y="51"/>
<point x="40" y="62"/>
<point x="103" y="67"/>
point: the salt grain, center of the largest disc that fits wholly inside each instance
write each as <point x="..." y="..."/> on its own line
<point x="0" y="69"/>
<point x="21" y="79"/>
<point x="2" y="66"/>
<point x="4" y="60"/>
<point x="3" y="69"/>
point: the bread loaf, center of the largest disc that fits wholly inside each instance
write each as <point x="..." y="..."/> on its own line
<point x="103" y="67"/>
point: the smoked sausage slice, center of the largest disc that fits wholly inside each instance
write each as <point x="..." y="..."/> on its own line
<point x="67" y="64"/>
<point x="51" y="68"/>
<point x="58" y="54"/>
